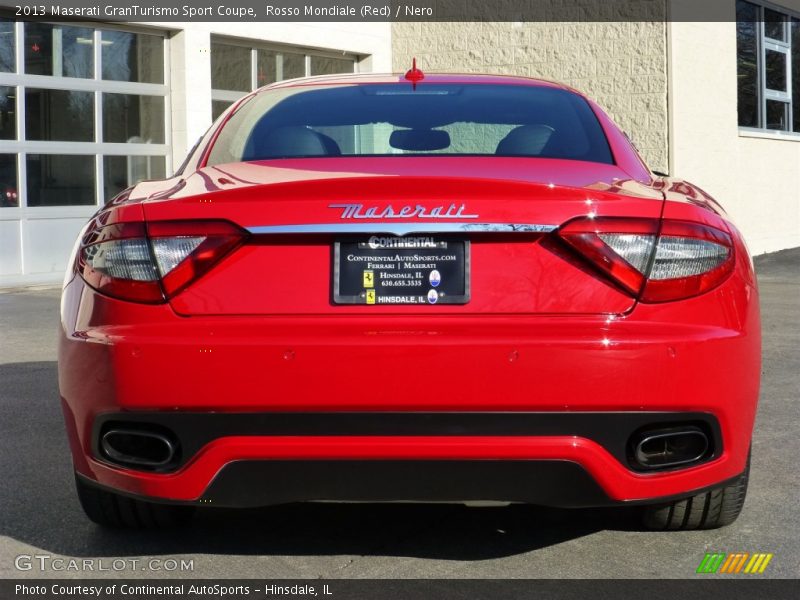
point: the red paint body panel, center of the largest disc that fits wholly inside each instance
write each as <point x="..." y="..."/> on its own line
<point x="542" y="331"/>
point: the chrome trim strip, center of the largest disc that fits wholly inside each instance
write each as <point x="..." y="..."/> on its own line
<point x="402" y="228"/>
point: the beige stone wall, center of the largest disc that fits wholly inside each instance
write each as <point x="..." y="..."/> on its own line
<point x="621" y="65"/>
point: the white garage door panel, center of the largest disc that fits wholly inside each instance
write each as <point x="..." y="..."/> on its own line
<point x="48" y="242"/>
<point x="10" y="248"/>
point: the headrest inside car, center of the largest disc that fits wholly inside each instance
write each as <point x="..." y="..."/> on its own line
<point x="292" y="141"/>
<point x="525" y="140"/>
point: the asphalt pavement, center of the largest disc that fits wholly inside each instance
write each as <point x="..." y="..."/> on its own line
<point x="40" y="515"/>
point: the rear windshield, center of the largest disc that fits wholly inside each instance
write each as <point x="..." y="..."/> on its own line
<point x="398" y="120"/>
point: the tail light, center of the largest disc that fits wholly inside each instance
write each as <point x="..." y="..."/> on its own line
<point x="152" y="262"/>
<point x="655" y="261"/>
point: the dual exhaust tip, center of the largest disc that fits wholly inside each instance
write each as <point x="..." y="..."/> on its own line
<point x="669" y="447"/>
<point x="139" y="448"/>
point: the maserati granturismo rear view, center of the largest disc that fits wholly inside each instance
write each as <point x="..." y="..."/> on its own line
<point x="411" y="287"/>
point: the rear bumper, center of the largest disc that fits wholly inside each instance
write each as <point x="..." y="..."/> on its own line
<point x="231" y="463"/>
<point x="698" y="357"/>
<point x="244" y="459"/>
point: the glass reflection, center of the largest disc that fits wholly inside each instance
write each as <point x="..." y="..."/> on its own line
<point x="7" y="43"/>
<point x="121" y="172"/>
<point x="8" y="113"/>
<point x="129" y="118"/>
<point x="292" y="65"/>
<point x="776" y="70"/>
<point x="59" y="50"/>
<point x="796" y="74"/>
<point x="266" y="67"/>
<point x="747" y="63"/>
<point x="218" y="107"/>
<point x="60" y="180"/>
<point x="777" y="115"/>
<point x="774" y="25"/>
<point x="9" y="197"/>
<point x="230" y="68"/>
<point x="59" y="115"/>
<point x="132" y="57"/>
<point x="321" y="65"/>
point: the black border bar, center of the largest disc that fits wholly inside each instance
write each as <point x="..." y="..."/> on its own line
<point x="414" y="11"/>
<point x="701" y="587"/>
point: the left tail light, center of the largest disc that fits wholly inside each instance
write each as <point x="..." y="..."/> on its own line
<point x="151" y="262"/>
<point x="656" y="261"/>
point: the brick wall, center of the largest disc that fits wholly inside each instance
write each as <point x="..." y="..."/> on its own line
<point x="621" y="65"/>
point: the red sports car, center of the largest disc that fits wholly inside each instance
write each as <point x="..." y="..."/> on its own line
<point x="428" y="288"/>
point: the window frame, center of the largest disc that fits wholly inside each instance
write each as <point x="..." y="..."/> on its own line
<point x="765" y="94"/>
<point x="231" y="96"/>
<point x="96" y="148"/>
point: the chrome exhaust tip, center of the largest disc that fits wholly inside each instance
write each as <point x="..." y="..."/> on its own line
<point x="138" y="448"/>
<point x="670" y="447"/>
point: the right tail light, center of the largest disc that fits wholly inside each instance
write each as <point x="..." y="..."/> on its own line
<point x="656" y="261"/>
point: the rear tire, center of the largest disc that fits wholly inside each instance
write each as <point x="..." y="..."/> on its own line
<point x="120" y="512"/>
<point x="709" y="510"/>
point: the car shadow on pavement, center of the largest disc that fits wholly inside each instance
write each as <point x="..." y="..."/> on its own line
<point x="40" y="507"/>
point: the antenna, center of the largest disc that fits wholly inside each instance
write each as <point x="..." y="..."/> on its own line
<point x="414" y="75"/>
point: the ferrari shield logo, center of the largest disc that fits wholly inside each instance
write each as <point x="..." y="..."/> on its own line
<point x="371" y="296"/>
<point x="369" y="279"/>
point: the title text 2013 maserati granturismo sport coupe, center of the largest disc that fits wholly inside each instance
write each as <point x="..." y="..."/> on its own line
<point x="443" y="288"/>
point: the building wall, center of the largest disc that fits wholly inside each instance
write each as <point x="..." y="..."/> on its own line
<point x="753" y="175"/>
<point x="622" y="65"/>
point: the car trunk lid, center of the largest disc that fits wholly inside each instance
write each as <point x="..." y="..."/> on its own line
<point x="304" y="227"/>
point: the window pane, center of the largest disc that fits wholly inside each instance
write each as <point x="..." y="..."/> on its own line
<point x="59" y="115"/>
<point x="133" y="57"/>
<point x="266" y="67"/>
<point x="796" y="73"/>
<point x="293" y="65"/>
<point x="121" y="172"/>
<point x="7" y="54"/>
<point x="777" y="115"/>
<point x="747" y="64"/>
<point x="8" y="113"/>
<point x="321" y="65"/>
<point x="134" y="119"/>
<point x="58" y="50"/>
<point x="230" y="68"/>
<point x="218" y="107"/>
<point x="60" y="180"/>
<point x="8" y="180"/>
<point x="776" y="70"/>
<point x="773" y="25"/>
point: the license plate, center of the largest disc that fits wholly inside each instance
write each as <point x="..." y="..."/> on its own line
<point x="388" y="270"/>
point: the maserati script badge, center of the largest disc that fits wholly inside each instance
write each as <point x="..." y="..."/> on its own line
<point x="357" y="211"/>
